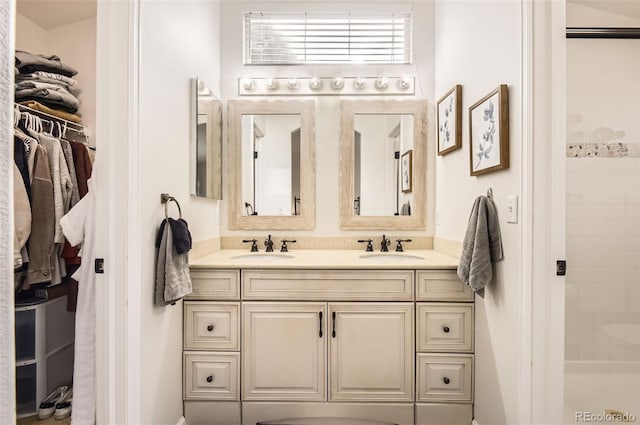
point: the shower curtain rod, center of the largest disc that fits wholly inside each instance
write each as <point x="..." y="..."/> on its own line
<point x="603" y="32"/>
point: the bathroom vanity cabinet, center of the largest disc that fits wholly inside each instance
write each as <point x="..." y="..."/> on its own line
<point x="267" y="343"/>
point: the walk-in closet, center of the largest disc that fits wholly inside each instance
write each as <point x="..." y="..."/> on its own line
<point x="54" y="151"/>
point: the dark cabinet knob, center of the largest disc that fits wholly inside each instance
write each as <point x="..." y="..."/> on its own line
<point x="446" y="380"/>
<point x="210" y="378"/>
<point x="446" y="329"/>
<point x="210" y="328"/>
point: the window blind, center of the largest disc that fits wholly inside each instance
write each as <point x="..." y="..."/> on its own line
<point x="333" y="38"/>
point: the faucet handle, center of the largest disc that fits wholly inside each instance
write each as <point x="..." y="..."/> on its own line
<point x="384" y="245"/>
<point x="269" y="244"/>
<point x="254" y="245"/>
<point x="369" y="244"/>
<point x="399" y="244"/>
<point x="284" y="247"/>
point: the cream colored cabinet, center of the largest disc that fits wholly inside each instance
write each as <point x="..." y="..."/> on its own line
<point x="379" y="344"/>
<point x="371" y="352"/>
<point x="284" y="354"/>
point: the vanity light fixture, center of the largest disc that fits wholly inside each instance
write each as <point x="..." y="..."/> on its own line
<point x="337" y="83"/>
<point x="326" y="86"/>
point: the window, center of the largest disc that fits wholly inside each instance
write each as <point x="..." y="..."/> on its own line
<point x="331" y="38"/>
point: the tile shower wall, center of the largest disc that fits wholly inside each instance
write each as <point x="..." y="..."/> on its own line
<point x="603" y="255"/>
<point x="603" y="196"/>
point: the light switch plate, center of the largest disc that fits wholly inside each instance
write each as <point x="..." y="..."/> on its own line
<point x="512" y="209"/>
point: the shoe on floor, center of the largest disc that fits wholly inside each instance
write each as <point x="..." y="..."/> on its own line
<point x="63" y="407"/>
<point x="48" y="406"/>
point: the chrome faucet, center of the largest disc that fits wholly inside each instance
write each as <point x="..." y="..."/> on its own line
<point x="384" y="245"/>
<point x="269" y="244"/>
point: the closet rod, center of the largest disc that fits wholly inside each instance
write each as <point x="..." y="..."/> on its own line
<point x="604" y="32"/>
<point x="70" y="124"/>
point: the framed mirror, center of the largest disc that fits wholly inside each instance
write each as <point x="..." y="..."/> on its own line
<point x="206" y="145"/>
<point x="383" y="164"/>
<point x="272" y="165"/>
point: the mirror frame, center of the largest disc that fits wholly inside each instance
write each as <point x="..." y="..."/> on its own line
<point x="307" y="218"/>
<point x="418" y="218"/>
<point x="213" y="110"/>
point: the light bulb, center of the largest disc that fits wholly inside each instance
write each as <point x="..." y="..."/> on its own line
<point x="248" y="84"/>
<point x="360" y="83"/>
<point x="293" y="84"/>
<point x="271" y="83"/>
<point x="382" y="83"/>
<point x="404" y="82"/>
<point x="315" y="83"/>
<point x="337" y="83"/>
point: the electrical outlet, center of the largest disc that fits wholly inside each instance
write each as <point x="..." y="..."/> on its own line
<point x="512" y="209"/>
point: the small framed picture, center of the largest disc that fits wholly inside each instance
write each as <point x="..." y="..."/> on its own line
<point x="449" y="119"/>
<point x="406" y="162"/>
<point x="489" y="132"/>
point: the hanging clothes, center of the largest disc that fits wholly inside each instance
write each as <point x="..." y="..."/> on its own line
<point x="79" y="228"/>
<point x="22" y="217"/>
<point x="41" y="245"/>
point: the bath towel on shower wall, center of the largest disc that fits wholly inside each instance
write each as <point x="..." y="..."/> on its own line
<point x="482" y="245"/>
<point x="172" y="270"/>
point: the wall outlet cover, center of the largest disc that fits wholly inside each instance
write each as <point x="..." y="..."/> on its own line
<point x="512" y="209"/>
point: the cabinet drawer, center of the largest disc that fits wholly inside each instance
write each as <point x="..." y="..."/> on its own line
<point x="445" y="377"/>
<point x="211" y="326"/>
<point x="441" y="285"/>
<point x="328" y="285"/>
<point x="445" y="327"/>
<point x="211" y="376"/>
<point x="214" y="285"/>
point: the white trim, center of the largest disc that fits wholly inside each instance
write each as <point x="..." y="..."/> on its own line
<point x="182" y="421"/>
<point x="524" y="378"/>
<point x="117" y="301"/>
<point x="547" y="239"/>
<point x="7" y="337"/>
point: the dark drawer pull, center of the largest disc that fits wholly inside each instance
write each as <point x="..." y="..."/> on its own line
<point x="446" y="329"/>
<point x="320" y="316"/>
<point x="333" y="329"/>
<point x="210" y="378"/>
<point x="446" y="380"/>
<point x="210" y="328"/>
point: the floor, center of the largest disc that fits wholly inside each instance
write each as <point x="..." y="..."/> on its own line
<point x="33" y="420"/>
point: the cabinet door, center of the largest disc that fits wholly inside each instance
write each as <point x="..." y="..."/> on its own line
<point x="371" y="351"/>
<point x="284" y="351"/>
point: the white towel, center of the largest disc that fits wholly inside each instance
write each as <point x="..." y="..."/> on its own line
<point x="482" y="245"/>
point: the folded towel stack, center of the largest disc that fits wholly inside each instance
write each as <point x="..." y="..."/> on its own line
<point x="45" y="83"/>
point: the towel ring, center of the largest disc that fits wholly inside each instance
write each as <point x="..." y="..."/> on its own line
<point x="165" y="198"/>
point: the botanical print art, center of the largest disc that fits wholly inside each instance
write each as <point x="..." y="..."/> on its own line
<point x="486" y="148"/>
<point x="449" y="109"/>
<point x="447" y="118"/>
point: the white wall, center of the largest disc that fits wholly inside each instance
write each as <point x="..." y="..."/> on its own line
<point x="327" y="107"/>
<point x="7" y="343"/>
<point x="172" y="52"/>
<point x="579" y="15"/>
<point x="75" y="44"/>
<point x="478" y="45"/>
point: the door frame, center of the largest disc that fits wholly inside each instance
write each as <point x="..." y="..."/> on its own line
<point x="541" y="378"/>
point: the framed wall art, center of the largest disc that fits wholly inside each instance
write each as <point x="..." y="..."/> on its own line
<point x="449" y="120"/>
<point x="406" y="162"/>
<point x="489" y="132"/>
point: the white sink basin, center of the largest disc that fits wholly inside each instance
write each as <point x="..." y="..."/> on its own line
<point x="262" y="257"/>
<point x="391" y="257"/>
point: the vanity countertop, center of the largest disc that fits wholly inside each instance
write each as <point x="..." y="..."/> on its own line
<point x="325" y="259"/>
